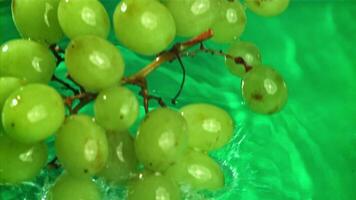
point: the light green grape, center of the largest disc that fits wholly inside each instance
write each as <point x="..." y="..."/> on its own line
<point x="267" y="8"/>
<point x="68" y="187"/>
<point x="193" y="17"/>
<point x="83" y="17"/>
<point x="81" y="146"/>
<point x="264" y="90"/>
<point x="37" y="20"/>
<point x="32" y="113"/>
<point x="161" y="139"/>
<point x="122" y="161"/>
<point x="230" y="22"/>
<point x="94" y="63"/>
<point x="198" y="171"/>
<point x="209" y="127"/>
<point x="7" y="86"/>
<point x="116" y="108"/>
<point x="144" y="26"/>
<point x="20" y="162"/>
<point x="248" y="52"/>
<point x="27" y="60"/>
<point x="154" y="187"/>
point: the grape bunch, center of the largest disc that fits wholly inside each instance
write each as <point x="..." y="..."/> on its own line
<point x="169" y="150"/>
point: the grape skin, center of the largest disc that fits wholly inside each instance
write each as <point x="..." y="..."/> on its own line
<point x="83" y="17"/>
<point x="161" y="139"/>
<point x="81" y="146"/>
<point x="264" y="90"/>
<point x="20" y="162"/>
<point x="151" y="18"/>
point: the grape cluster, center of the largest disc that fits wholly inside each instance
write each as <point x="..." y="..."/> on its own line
<point x="170" y="148"/>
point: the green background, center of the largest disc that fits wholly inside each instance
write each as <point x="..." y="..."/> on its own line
<point x="308" y="150"/>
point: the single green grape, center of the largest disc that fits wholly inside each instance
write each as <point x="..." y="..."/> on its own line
<point x="248" y="52"/>
<point x="161" y="139"/>
<point x="94" y="63"/>
<point x="264" y="90"/>
<point x="210" y="127"/>
<point x="144" y="26"/>
<point x="192" y="17"/>
<point x="83" y="17"/>
<point x="230" y="22"/>
<point x="27" y="60"/>
<point x="37" y="20"/>
<point x="68" y="187"/>
<point x="116" y="108"/>
<point x="32" y="113"/>
<point x="198" y="171"/>
<point x="7" y="86"/>
<point x="81" y="146"/>
<point x="267" y="8"/>
<point x="20" y="162"/>
<point x="154" y="187"/>
<point x="122" y="161"/>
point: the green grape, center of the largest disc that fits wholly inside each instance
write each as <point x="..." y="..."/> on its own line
<point x="144" y="26"/>
<point x="198" y="171"/>
<point x="32" y="113"/>
<point x="7" y="86"/>
<point x="209" y="127"/>
<point x="20" y="162"/>
<point x="68" y="187"/>
<point x="192" y="17"/>
<point x="267" y="8"/>
<point x="37" y="20"/>
<point x="116" y="108"/>
<point x="161" y="139"/>
<point x="230" y="23"/>
<point x="154" y="187"/>
<point x="83" y="17"/>
<point x="248" y="52"/>
<point x="122" y="161"/>
<point x="81" y="146"/>
<point x="27" y="60"/>
<point x="94" y="63"/>
<point x="264" y="90"/>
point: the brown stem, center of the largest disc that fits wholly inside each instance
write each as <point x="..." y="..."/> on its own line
<point x="168" y="56"/>
<point x="65" y="84"/>
<point x="57" y="51"/>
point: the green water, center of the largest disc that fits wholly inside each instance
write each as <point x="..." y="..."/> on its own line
<point x="308" y="150"/>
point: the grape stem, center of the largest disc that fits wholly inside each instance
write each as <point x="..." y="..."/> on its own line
<point x="139" y="78"/>
<point x="57" y="51"/>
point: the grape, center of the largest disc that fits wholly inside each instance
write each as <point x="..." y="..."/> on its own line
<point x="116" y="108"/>
<point x="198" y="171"/>
<point x="144" y="26"/>
<point x="230" y="23"/>
<point x="122" y="160"/>
<point x="94" y="63"/>
<point x="248" y="52"/>
<point x="154" y="187"/>
<point x="267" y="8"/>
<point x="20" y="162"/>
<point x="68" y="187"/>
<point x="37" y="20"/>
<point x="192" y="17"/>
<point x="27" y="60"/>
<point x="83" y="17"/>
<point x="264" y="90"/>
<point x="32" y="113"/>
<point x="81" y="146"/>
<point x="7" y="86"/>
<point x="209" y="127"/>
<point x="161" y="139"/>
